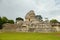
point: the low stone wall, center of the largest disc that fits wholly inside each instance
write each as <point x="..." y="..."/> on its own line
<point x="9" y="27"/>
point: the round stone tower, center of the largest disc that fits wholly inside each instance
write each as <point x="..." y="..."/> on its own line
<point x="30" y="16"/>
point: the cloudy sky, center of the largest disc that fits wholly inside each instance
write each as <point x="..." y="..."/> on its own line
<point x="19" y="8"/>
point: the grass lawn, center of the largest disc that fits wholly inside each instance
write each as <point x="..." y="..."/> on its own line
<point x="29" y="36"/>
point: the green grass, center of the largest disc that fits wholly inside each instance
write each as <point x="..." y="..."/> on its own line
<point x="29" y="36"/>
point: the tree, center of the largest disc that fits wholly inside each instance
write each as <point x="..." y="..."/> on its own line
<point x="19" y="18"/>
<point x="11" y="21"/>
<point x="53" y="21"/>
<point x="0" y="23"/>
<point x="39" y="17"/>
<point x="4" y="20"/>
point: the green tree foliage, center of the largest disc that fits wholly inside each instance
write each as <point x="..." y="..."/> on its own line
<point x="39" y="17"/>
<point x="19" y="18"/>
<point x="11" y="21"/>
<point x="4" y="20"/>
<point x="0" y="23"/>
<point x="53" y="21"/>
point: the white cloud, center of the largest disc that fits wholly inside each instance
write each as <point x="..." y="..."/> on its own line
<point x="15" y="8"/>
<point x="48" y="8"/>
<point x="56" y="17"/>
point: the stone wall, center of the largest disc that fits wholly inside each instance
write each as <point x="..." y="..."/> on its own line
<point x="9" y="27"/>
<point x="31" y="24"/>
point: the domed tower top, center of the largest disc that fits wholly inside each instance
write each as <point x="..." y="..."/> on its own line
<point x="30" y="15"/>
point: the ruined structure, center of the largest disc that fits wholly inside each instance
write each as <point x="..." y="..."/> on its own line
<point x="31" y="24"/>
<point x="56" y="26"/>
<point x="9" y="27"/>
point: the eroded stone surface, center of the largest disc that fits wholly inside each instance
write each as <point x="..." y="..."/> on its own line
<point x="31" y="24"/>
